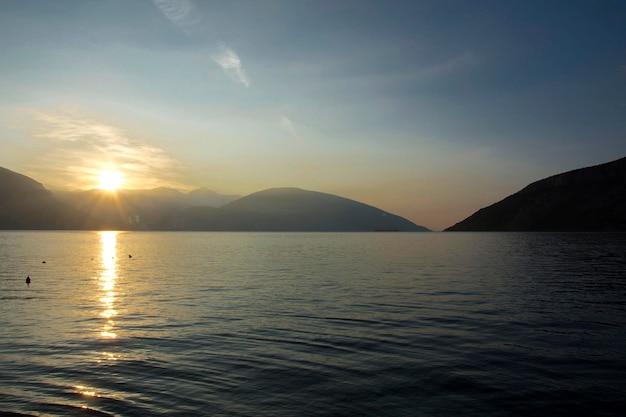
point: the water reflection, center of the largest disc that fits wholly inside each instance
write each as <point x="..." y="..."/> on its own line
<point x="107" y="278"/>
<point x="81" y="389"/>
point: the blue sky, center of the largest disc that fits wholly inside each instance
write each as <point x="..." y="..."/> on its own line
<point x="428" y="109"/>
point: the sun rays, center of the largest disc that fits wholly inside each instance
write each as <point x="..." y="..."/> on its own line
<point x="110" y="180"/>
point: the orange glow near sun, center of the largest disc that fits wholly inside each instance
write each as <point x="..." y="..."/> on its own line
<point x="110" y="180"/>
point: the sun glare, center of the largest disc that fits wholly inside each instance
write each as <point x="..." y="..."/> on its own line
<point x="110" y="180"/>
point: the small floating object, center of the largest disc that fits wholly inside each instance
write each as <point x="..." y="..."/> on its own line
<point x="43" y="262"/>
<point x="130" y="256"/>
<point x="28" y="280"/>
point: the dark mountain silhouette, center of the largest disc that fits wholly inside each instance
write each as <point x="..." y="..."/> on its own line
<point x="26" y="204"/>
<point x="292" y="209"/>
<point x="586" y="199"/>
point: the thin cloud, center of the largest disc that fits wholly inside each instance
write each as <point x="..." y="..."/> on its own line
<point x="82" y="147"/>
<point x="231" y="64"/>
<point x="184" y="14"/>
<point x="286" y="123"/>
<point x="462" y="61"/>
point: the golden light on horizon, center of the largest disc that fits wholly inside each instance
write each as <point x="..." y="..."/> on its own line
<point x="110" y="180"/>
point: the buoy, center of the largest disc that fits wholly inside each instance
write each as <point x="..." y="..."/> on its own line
<point x="28" y="280"/>
<point x="130" y="256"/>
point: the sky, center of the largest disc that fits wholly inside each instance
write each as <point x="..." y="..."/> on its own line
<point x="429" y="109"/>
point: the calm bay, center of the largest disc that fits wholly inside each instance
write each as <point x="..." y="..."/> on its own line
<point x="312" y="324"/>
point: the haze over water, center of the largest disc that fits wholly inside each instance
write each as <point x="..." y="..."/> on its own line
<point x="312" y="324"/>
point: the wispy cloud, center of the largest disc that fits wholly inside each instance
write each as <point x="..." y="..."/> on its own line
<point x="456" y="63"/>
<point x="231" y="64"/>
<point x="182" y="12"/>
<point x="286" y="123"/>
<point x="77" y="147"/>
<point x="185" y="15"/>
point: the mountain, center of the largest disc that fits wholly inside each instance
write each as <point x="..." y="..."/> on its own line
<point x="154" y="209"/>
<point x="293" y="209"/>
<point x="206" y="197"/>
<point x="27" y="204"/>
<point x="586" y="199"/>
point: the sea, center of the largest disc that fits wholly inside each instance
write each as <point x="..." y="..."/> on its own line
<point x="312" y="324"/>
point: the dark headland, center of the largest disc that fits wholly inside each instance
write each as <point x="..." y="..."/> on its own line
<point x="27" y="204"/>
<point x="586" y="199"/>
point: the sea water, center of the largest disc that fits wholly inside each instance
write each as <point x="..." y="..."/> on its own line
<point x="312" y="324"/>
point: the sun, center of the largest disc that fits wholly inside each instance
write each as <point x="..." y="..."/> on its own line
<point x="110" y="180"/>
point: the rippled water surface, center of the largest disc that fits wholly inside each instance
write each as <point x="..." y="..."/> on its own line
<point x="312" y="324"/>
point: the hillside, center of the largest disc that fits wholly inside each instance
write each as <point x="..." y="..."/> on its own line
<point x="292" y="209"/>
<point x="586" y="199"/>
<point x="26" y="204"/>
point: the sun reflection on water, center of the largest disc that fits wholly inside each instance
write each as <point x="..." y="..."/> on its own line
<point x="108" y="241"/>
<point x="81" y="389"/>
<point x="108" y="357"/>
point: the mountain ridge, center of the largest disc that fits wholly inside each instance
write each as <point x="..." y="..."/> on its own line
<point x="585" y="199"/>
<point x="290" y="208"/>
<point x="276" y="209"/>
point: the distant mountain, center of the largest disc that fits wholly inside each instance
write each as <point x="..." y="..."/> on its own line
<point x="206" y="197"/>
<point x="154" y="209"/>
<point x="26" y="204"/>
<point x="292" y="209"/>
<point x="586" y="199"/>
